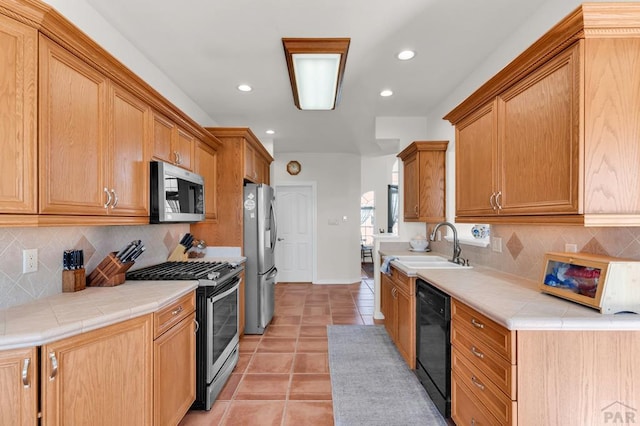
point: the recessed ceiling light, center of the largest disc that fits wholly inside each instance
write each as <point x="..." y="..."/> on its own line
<point x="270" y="132"/>
<point x="405" y="55"/>
<point x="386" y="93"/>
<point x="245" y="88"/>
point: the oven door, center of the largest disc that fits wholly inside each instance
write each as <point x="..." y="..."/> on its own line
<point x="223" y="323"/>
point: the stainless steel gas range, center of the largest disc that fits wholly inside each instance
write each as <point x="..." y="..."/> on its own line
<point x="217" y="335"/>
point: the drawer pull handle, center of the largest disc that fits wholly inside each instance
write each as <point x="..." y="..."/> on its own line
<point x="54" y="366"/>
<point x="476" y="324"/>
<point x="477" y="352"/>
<point x="176" y="311"/>
<point x="25" y="372"/>
<point x="477" y="383"/>
<point x="473" y="421"/>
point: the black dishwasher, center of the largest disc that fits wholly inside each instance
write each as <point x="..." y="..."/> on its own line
<point x="433" y="347"/>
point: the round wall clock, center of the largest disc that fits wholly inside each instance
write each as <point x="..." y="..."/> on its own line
<point x="293" y="167"/>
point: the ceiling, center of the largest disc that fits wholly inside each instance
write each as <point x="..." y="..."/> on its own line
<point x="209" y="47"/>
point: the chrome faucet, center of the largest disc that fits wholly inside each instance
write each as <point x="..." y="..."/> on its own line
<point x="456" y="244"/>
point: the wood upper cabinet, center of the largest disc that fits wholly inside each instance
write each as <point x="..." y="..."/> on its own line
<point x="102" y="377"/>
<point x="476" y="162"/>
<point x="92" y="140"/>
<point x="206" y="165"/>
<point x="73" y="142"/>
<point x="424" y="181"/>
<point x="562" y="119"/>
<point x="129" y="135"/>
<point x="538" y="140"/>
<point x="171" y="143"/>
<point x="19" y="384"/>
<point x="18" y="109"/>
<point x="518" y="154"/>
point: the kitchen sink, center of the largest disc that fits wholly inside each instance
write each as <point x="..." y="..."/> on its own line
<point x="427" y="262"/>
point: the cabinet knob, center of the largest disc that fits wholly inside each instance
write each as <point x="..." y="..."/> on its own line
<point x="25" y="372"/>
<point x="115" y="198"/>
<point x="54" y="366"/>
<point x="106" y="204"/>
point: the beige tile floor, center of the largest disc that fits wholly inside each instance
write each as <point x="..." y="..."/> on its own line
<point x="282" y="377"/>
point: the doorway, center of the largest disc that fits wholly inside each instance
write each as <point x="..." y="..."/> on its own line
<point x="295" y="248"/>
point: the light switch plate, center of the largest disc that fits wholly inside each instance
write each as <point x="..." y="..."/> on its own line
<point x="496" y="244"/>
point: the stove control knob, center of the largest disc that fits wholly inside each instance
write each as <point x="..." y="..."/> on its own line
<point x="213" y="275"/>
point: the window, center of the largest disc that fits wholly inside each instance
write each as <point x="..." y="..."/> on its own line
<point x="367" y="218"/>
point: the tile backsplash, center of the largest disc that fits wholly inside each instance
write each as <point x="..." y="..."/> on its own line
<point x="17" y="288"/>
<point x="524" y="246"/>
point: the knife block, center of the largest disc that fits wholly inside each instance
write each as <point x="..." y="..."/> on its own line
<point x="178" y="254"/>
<point x="109" y="273"/>
<point x="73" y="280"/>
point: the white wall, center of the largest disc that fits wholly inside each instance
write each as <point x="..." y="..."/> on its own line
<point x="85" y="17"/>
<point x="337" y="178"/>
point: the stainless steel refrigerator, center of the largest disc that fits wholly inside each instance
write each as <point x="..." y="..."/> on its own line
<point x="259" y="249"/>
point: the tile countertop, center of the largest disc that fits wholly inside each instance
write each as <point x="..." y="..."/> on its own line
<point x="516" y="302"/>
<point x="67" y="314"/>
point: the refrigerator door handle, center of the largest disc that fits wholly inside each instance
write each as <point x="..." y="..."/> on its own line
<point x="272" y="274"/>
<point x="274" y="234"/>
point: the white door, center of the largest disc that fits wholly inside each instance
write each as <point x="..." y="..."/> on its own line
<point x="294" y="248"/>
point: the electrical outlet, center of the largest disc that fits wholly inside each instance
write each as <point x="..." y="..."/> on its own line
<point x="496" y="244"/>
<point x="571" y="248"/>
<point x="29" y="260"/>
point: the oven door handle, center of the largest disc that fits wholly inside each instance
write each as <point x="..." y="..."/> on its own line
<point x="217" y="297"/>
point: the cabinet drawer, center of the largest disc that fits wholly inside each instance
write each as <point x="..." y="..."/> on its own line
<point x="172" y="314"/>
<point x="496" y="368"/>
<point x="466" y="409"/>
<point x="487" y="394"/>
<point x="493" y="334"/>
<point x="402" y="281"/>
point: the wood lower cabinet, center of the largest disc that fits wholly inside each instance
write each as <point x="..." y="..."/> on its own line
<point x="18" y="109"/>
<point x="483" y="369"/>
<point x="19" y="387"/>
<point x="398" y="305"/>
<point x="92" y="141"/>
<point x="552" y="137"/>
<point x="174" y="361"/>
<point x="102" y="377"/>
<point x="424" y="181"/>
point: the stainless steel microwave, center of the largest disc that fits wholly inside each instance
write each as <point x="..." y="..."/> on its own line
<point x="177" y="195"/>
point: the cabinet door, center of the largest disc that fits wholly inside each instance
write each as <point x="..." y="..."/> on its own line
<point x="18" y="185"/>
<point x="130" y="170"/>
<point x="250" y="163"/>
<point x="538" y="134"/>
<point x="406" y="327"/>
<point x="410" y="180"/>
<point x="18" y="387"/>
<point x="174" y="386"/>
<point x="387" y="305"/>
<point x="184" y="145"/>
<point x="103" y="377"/>
<point x="431" y="190"/>
<point x="206" y="165"/>
<point x="475" y="162"/>
<point x="73" y="102"/>
<point x="162" y="136"/>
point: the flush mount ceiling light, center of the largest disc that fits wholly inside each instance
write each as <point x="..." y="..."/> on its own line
<point x="245" y="88"/>
<point x="386" y="93"/>
<point x="270" y="132"/>
<point x="316" y="68"/>
<point x="405" y="55"/>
